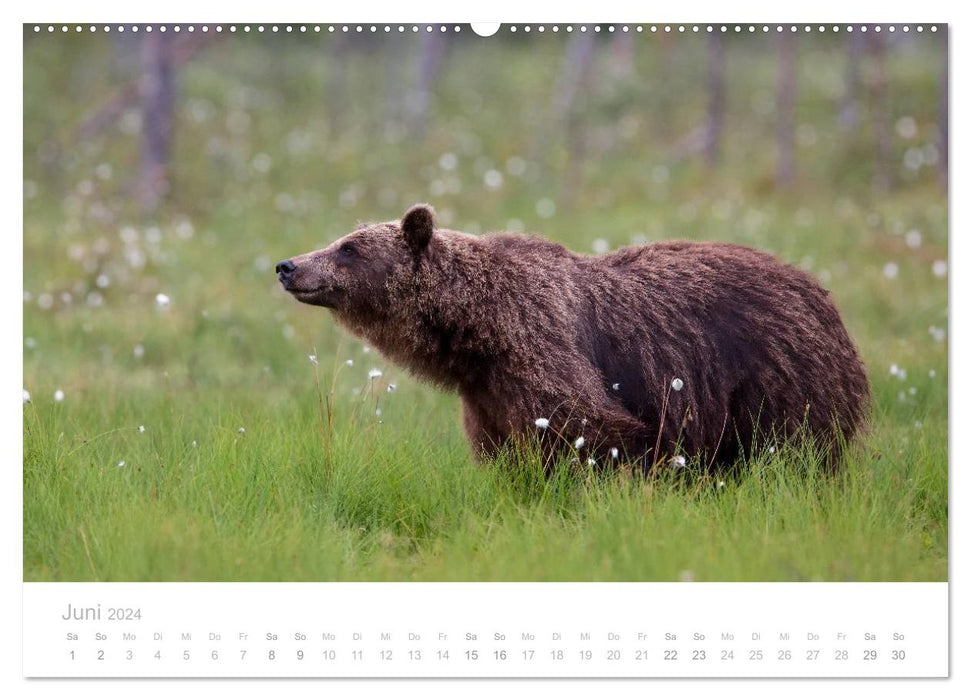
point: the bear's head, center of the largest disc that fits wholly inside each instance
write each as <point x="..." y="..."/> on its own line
<point x="358" y="275"/>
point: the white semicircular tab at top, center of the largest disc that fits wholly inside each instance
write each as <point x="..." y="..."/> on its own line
<point x="485" y="28"/>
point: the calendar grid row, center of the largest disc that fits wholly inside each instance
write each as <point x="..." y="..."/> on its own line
<point x="514" y="630"/>
<point x="496" y="648"/>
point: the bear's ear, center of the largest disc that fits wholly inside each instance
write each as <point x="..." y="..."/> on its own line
<point x="417" y="225"/>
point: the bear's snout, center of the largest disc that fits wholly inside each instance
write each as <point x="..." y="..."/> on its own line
<point x="285" y="269"/>
<point x="303" y="278"/>
<point x="284" y="272"/>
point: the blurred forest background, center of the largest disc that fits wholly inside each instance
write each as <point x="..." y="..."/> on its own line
<point x="166" y="173"/>
<point x="857" y="109"/>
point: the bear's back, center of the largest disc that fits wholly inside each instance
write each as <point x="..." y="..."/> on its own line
<point x="739" y="327"/>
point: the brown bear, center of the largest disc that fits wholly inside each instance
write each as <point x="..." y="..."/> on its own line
<point x="641" y="355"/>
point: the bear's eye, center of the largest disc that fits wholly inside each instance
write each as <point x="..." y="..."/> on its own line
<point x="348" y="249"/>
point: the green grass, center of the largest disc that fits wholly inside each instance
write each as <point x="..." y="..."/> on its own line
<point x="396" y="496"/>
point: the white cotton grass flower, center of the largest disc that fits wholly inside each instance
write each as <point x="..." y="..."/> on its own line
<point x="898" y="372"/>
<point x="26" y="396"/>
<point x="121" y="463"/>
<point x="906" y="127"/>
<point x="516" y="165"/>
<point x="678" y="461"/>
<point x="312" y="358"/>
<point x="545" y="208"/>
<point x="580" y="442"/>
<point x="891" y="270"/>
<point x="614" y="453"/>
<point x="677" y="384"/>
<point x="162" y="300"/>
<point x="492" y="179"/>
<point x="349" y="363"/>
<point x="591" y="462"/>
<point x="241" y="431"/>
<point x="141" y="428"/>
<point x="58" y="395"/>
<point x="542" y="423"/>
<point x="721" y="484"/>
<point x="448" y="161"/>
<point x="392" y="388"/>
<point x="374" y="374"/>
<point x="138" y="351"/>
<point x="939" y="268"/>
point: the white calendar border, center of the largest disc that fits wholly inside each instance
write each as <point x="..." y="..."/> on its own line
<point x="828" y="10"/>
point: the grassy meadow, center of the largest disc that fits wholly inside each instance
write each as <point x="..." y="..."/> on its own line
<point x="193" y="439"/>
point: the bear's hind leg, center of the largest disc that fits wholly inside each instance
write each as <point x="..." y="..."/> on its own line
<point x="484" y="442"/>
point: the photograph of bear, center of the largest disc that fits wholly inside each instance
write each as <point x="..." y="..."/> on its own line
<point x="709" y="350"/>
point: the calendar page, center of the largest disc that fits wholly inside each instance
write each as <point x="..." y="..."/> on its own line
<point x="513" y="350"/>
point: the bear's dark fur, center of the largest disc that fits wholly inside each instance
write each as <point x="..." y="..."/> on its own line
<point x="525" y="331"/>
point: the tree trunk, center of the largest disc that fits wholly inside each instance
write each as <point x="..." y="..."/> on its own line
<point x="573" y="74"/>
<point x="880" y="115"/>
<point x="432" y="52"/>
<point x="337" y="96"/>
<point x="850" y="108"/>
<point x="157" y="91"/>
<point x="395" y="57"/>
<point x="664" y="112"/>
<point x="716" y="98"/>
<point x="785" y="111"/>
<point x="944" y="117"/>
<point x="622" y="56"/>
